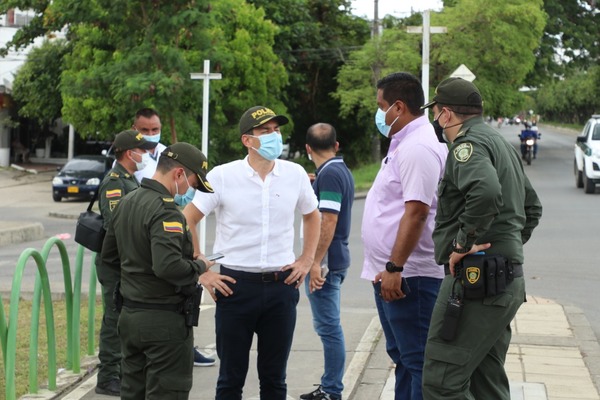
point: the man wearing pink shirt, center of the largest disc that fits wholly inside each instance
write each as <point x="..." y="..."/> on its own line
<point x="397" y="226"/>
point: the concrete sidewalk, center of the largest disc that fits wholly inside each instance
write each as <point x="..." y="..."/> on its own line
<point x="553" y="356"/>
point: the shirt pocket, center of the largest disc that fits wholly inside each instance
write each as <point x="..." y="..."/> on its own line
<point x="441" y="208"/>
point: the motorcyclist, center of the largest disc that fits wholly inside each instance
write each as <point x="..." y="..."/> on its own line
<point x="529" y="132"/>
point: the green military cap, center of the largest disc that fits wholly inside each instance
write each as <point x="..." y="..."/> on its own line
<point x="456" y="92"/>
<point x="192" y="158"/>
<point x="258" y="115"/>
<point x="131" y="139"/>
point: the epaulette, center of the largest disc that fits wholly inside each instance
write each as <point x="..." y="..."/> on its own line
<point x="169" y="202"/>
<point x="114" y="175"/>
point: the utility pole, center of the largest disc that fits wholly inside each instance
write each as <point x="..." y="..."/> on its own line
<point x="206" y="76"/>
<point x="426" y="30"/>
<point x="375" y="32"/>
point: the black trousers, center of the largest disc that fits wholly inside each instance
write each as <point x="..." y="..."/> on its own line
<point x="268" y="309"/>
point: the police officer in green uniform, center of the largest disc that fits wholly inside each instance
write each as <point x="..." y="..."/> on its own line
<point x="131" y="154"/>
<point x="486" y="203"/>
<point x="148" y="239"/>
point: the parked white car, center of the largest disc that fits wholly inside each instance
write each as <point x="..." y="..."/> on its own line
<point x="587" y="156"/>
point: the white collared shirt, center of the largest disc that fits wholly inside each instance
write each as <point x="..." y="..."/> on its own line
<point x="255" y="218"/>
<point x="150" y="169"/>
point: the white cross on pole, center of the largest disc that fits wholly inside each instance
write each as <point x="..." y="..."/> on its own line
<point x="426" y="30"/>
<point x="206" y="76"/>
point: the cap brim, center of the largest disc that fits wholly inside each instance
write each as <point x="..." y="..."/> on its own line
<point x="430" y="104"/>
<point x="147" y="145"/>
<point x="204" y="185"/>
<point x="281" y="120"/>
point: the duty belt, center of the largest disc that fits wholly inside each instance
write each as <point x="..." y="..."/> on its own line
<point x="260" y="277"/>
<point x="178" y="308"/>
<point x="515" y="270"/>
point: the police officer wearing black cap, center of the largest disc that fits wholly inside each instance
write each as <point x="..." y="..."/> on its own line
<point x="486" y="204"/>
<point x="131" y="152"/>
<point x="149" y="240"/>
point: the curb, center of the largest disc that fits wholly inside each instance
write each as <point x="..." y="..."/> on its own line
<point x="18" y="233"/>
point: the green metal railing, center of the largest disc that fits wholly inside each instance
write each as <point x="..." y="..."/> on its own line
<point x="8" y="329"/>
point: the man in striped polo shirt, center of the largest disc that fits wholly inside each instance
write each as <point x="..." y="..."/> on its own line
<point x="334" y="187"/>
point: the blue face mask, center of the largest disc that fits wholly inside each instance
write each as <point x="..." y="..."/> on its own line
<point x="271" y="145"/>
<point x="380" y="122"/>
<point x="152" y="138"/>
<point x="184" y="199"/>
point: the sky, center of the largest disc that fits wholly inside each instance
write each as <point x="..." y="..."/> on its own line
<point x="397" y="8"/>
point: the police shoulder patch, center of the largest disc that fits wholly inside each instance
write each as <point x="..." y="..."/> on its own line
<point x="463" y="152"/>
<point x="173" y="227"/>
<point x="112" y="204"/>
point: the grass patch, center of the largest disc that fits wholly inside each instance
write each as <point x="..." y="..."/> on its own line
<point x="23" y="339"/>
<point x="576" y="127"/>
<point x="364" y="176"/>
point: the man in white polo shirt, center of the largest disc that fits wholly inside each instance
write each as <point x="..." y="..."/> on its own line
<point x="254" y="202"/>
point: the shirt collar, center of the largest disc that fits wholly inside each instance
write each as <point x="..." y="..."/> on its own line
<point x="251" y="172"/>
<point x="412" y="126"/>
<point x="468" y="124"/>
<point x="326" y="163"/>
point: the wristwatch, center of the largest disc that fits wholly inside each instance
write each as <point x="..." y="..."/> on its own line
<point x="391" y="267"/>
<point x="463" y="250"/>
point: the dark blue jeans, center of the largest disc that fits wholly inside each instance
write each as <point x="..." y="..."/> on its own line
<point x="325" y="306"/>
<point x="405" y="324"/>
<point x="269" y="310"/>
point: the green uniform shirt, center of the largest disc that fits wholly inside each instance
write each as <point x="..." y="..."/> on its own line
<point x="115" y="185"/>
<point x="484" y="196"/>
<point x="150" y="241"/>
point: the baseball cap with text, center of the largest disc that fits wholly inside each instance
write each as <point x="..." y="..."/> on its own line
<point x="258" y="115"/>
<point x="193" y="159"/>
<point x="456" y="92"/>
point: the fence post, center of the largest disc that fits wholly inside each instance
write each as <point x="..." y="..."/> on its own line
<point x="11" y="342"/>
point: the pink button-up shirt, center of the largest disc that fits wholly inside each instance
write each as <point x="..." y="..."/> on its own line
<point x="411" y="172"/>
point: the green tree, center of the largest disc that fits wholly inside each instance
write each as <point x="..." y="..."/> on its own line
<point x="571" y="100"/>
<point x="37" y="83"/>
<point x="395" y="50"/>
<point x="313" y="41"/>
<point x="131" y="54"/>
<point x="496" y="41"/>
<point x="570" y="40"/>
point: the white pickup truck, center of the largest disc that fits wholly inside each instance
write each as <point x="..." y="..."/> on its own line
<point x="587" y="156"/>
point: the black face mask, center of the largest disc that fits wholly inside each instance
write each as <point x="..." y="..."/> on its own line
<point x="439" y="131"/>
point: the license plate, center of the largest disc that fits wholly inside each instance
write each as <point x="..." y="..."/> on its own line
<point x="73" y="189"/>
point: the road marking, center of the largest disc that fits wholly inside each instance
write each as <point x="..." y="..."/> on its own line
<point x="361" y="356"/>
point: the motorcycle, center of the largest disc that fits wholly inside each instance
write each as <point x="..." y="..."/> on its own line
<point x="529" y="139"/>
<point x="529" y="143"/>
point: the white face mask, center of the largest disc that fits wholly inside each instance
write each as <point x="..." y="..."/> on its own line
<point x="143" y="163"/>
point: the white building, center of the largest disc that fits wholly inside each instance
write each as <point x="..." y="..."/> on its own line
<point x="10" y="23"/>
